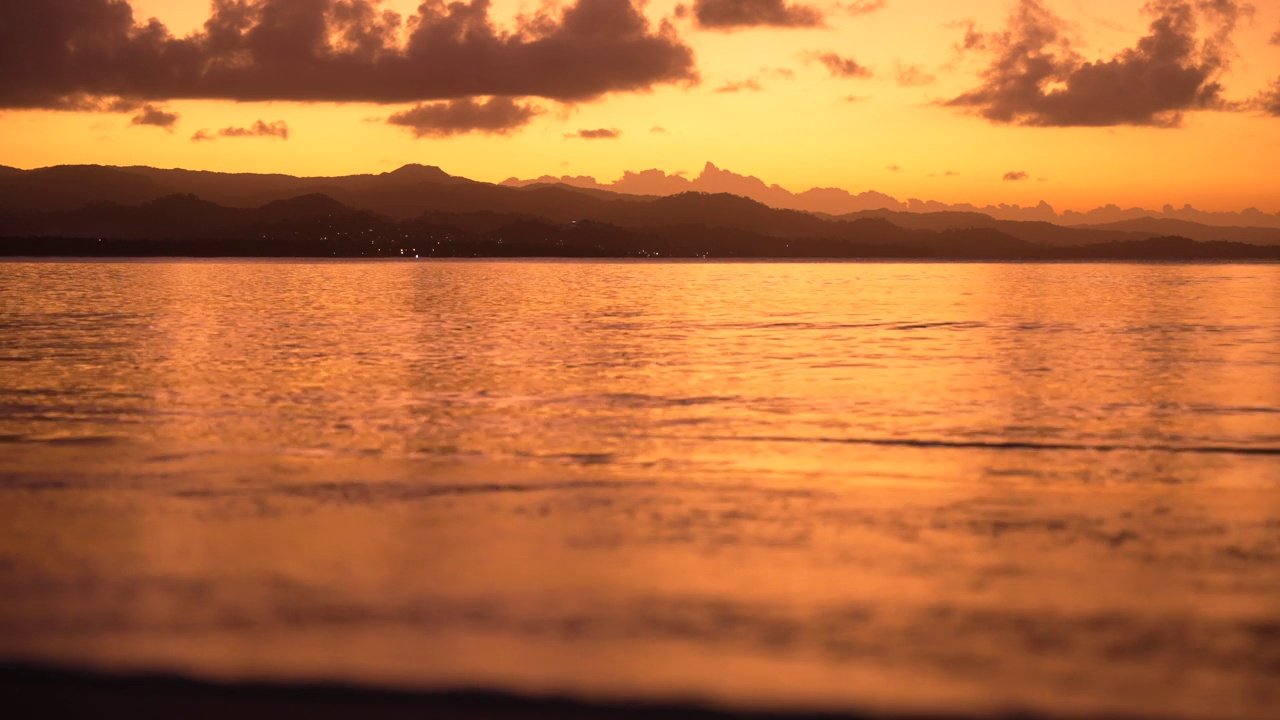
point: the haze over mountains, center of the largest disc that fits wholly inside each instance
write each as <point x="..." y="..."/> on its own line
<point x="420" y="209"/>
<point x="834" y="201"/>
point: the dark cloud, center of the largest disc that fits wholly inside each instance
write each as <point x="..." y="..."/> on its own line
<point x="152" y="115"/>
<point x="1015" y="176"/>
<point x="278" y="129"/>
<point x="1036" y="77"/>
<point x="912" y="76"/>
<point x="658" y="129"/>
<point x="73" y="54"/>
<point x="841" y="66"/>
<point x="496" y="116"/>
<point x="738" y="86"/>
<point x="1270" y="99"/>
<point x="598" y="134"/>
<point x="739" y="14"/>
<point x="894" y="168"/>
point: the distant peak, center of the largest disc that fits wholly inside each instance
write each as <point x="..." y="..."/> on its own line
<point x="307" y="199"/>
<point x="414" y="171"/>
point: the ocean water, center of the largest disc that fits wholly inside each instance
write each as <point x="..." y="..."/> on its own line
<point x="872" y="487"/>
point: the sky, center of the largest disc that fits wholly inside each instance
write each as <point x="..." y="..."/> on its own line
<point x="1079" y="103"/>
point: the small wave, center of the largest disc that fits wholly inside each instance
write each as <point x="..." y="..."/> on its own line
<point x="961" y="325"/>
<point x="72" y="439"/>
<point x="640" y="400"/>
<point x="996" y="444"/>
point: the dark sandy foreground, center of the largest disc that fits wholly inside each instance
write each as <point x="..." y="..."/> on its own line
<point x="40" y="692"/>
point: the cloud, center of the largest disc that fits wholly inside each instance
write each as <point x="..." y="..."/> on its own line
<point x="912" y="76"/>
<point x="658" y="129"/>
<point x="864" y="7"/>
<point x="951" y="173"/>
<point x="1275" y="39"/>
<point x="495" y="116"/>
<point x="739" y="14"/>
<point x="855" y="98"/>
<point x="841" y="66"/>
<point x="1035" y="76"/>
<point x="152" y="115"/>
<point x="738" y="86"/>
<point x="1269" y="100"/>
<point x="1015" y="176"/>
<point x="259" y="128"/>
<point x="278" y="129"/>
<point x="72" y="54"/>
<point x="597" y="134"/>
<point x="894" y="168"/>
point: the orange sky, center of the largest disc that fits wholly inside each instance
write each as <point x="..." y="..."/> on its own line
<point x="791" y="122"/>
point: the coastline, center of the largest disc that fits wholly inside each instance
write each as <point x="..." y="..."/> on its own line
<point x="50" y="691"/>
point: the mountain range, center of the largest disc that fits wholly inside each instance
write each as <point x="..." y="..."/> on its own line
<point x="835" y="201"/>
<point x="421" y="209"/>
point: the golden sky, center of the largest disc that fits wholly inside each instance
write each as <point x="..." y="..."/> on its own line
<point x="1077" y="102"/>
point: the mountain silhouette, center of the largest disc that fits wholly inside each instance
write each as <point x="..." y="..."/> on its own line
<point x="835" y="201"/>
<point x="420" y="204"/>
<point x="1192" y="230"/>
<point x="69" y="187"/>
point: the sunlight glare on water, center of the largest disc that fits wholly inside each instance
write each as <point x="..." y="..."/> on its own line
<point x="868" y="486"/>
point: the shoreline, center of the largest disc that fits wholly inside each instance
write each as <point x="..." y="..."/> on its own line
<point x="642" y="260"/>
<point x="51" y="691"/>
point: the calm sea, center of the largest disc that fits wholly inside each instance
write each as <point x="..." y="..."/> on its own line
<point x="902" y="487"/>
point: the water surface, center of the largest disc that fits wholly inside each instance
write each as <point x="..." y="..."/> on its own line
<point x="896" y="487"/>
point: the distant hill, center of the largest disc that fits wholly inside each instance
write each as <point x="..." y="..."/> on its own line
<point x="69" y="187"/>
<point x="1192" y="230"/>
<point x="1041" y="233"/>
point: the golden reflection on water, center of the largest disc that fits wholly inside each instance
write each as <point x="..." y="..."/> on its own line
<point x="946" y="487"/>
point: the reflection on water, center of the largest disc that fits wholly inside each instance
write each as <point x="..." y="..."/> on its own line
<point x="897" y="486"/>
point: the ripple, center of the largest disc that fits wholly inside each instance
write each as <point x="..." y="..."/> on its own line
<point x="991" y="444"/>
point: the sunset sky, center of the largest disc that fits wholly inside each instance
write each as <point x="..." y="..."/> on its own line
<point x="1076" y="102"/>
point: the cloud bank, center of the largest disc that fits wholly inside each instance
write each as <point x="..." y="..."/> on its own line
<point x="1035" y="77"/>
<point x="740" y="14"/>
<point x="71" y="54"/>
<point x="495" y="116"/>
<point x="278" y="129"/>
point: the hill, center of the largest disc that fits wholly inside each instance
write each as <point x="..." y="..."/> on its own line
<point x="531" y="223"/>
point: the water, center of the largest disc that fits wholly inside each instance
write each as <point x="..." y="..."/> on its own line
<point x="902" y="487"/>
